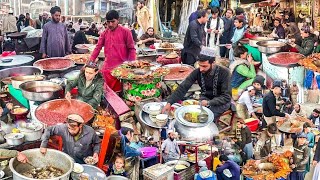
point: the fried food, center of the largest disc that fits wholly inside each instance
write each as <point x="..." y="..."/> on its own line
<point x="287" y="154"/>
<point x="192" y="117"/>
<point x="258" y="177"/>
<point x="167" y="45"/>
<point x="47" y="172"/>
<point x="19" y="110"/>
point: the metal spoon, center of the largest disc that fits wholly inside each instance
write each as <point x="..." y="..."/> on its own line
<point x="203" y="116"/>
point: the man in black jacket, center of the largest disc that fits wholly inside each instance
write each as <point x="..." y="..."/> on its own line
<point x="80" y="37"/>
<point x="270" y="110"/>
<point x="215" y="86"/>
<point x="227" y="33"/>
<point x="193" y="39"/>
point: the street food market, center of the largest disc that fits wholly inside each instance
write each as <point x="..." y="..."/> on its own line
<point x="160" y="90"/>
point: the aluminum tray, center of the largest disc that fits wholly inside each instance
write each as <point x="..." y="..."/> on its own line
<point x="179" y="113"/>
<point x="286" y="127"/>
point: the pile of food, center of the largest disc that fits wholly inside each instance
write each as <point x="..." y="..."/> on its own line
<point x="47" y="172"/>
<point x="190" y="102"/>
<point x="167" y="45"/>
<point x="192" y="116"/>
<point x="311" y="62"/>
<point x="90" y="160"/>
<point x="285" y="58"/>
<point x="53" y="64"/>
<point x="19" y="110"/>
<point x="103" y="121"/>
<point x="57" y="111"/>
<point x="79" y="58"/>
<point x="138" y="70"/>
<point x="273" y="167"/>
<point x="178" y="72"/>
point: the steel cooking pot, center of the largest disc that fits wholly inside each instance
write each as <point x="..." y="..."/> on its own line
<point x="40" y="90"/>
<point x="53" y="157"/>
<point x="32" y="132"/>
<point x="17" y="80"/>
<point x="253" y="41"/>
<point x="270" y="47"/>
<point x="14" y="139"/>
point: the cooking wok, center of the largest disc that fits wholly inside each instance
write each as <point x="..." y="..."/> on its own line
<point x="56" y="111"/>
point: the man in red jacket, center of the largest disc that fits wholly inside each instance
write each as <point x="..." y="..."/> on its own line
<point x="118" y="47"/>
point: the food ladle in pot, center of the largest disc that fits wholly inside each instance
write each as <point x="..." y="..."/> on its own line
<point x="203" y="116"/>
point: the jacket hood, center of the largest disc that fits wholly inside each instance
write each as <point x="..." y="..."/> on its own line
<point x="237" y="62"/>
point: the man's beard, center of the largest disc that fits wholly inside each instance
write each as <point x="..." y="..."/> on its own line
<point x="54" y="20"/>
<point x="171" y="138"/>
<point x="208" y="71"/>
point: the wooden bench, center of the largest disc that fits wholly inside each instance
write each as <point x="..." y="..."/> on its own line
<point x="226" y="126"/>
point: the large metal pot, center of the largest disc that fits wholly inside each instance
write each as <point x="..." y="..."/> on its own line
<point x="270" y="47"/>
<point x="14" y="139"/>
<point x="21" y="70"/>
<point x="40" y="90"/>
<point x="253" y="41"/>
<point x="17" y="80"/>
<point x="32" y="132"/>
<point x="53" y="157"/>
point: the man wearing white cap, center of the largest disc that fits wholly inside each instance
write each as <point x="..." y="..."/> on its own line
<point x="244" y="106"/>
<point x="170" y="148"/>
<point x="79" y="140"/>
<point x="9" y="24"/>
<point x="204" y="172"/>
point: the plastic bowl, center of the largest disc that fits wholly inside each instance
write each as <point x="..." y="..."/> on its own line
<point x="253" y="125"/>
<point x="6" y="60"/>
<point x="148" y="152"/>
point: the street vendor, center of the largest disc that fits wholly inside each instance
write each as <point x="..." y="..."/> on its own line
<point x="80" y="38"/>
<point x="300" y="158"/>
<point x="118" y="47"/>
<point x="269" y="104"/>
<point x="245" y="108"/>
<point x="170" y="148"/>
<point x="149" y="38"/>
<point x="5" y="153"/>
<point x="267" y="141"/>
<point x="79" y="140"/>
<point x="90" y="85"/>
<point x="278" y="32"/>
<point x="308" y="41"/>
<point x="215" y="86"/>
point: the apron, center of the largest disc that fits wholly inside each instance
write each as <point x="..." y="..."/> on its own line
<point x="111" y="81"/>
<point x="316" y="172"/>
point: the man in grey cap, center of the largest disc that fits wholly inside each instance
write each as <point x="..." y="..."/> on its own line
<point x="79" y="140"/>
<point x="269" y="104"/>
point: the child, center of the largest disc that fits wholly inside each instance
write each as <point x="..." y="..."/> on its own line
<point x="118" y="167"/>
<point x="242" y="69"/>
<point x="300" y="158"/>
<point x="285" y="90"/>
<point x="246" y="139"/>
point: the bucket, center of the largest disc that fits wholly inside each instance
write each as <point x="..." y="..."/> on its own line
<point x="253" y="125"/>
<point x="148" y="152"/>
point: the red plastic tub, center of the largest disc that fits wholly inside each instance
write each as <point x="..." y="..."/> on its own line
<point x="148" y="152"/>
<point x="253" y="125"/>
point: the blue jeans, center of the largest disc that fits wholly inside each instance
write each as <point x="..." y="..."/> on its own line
<point x="248" y="149"/>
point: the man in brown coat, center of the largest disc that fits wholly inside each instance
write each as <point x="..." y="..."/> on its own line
<point x="294" y="90"/>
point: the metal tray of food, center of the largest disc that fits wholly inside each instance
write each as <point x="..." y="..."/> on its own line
<point x="183" y="74"/>
<point x="145" y="118"/>
<point x="180" y="112"/>
<point x="286" y="126"/>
